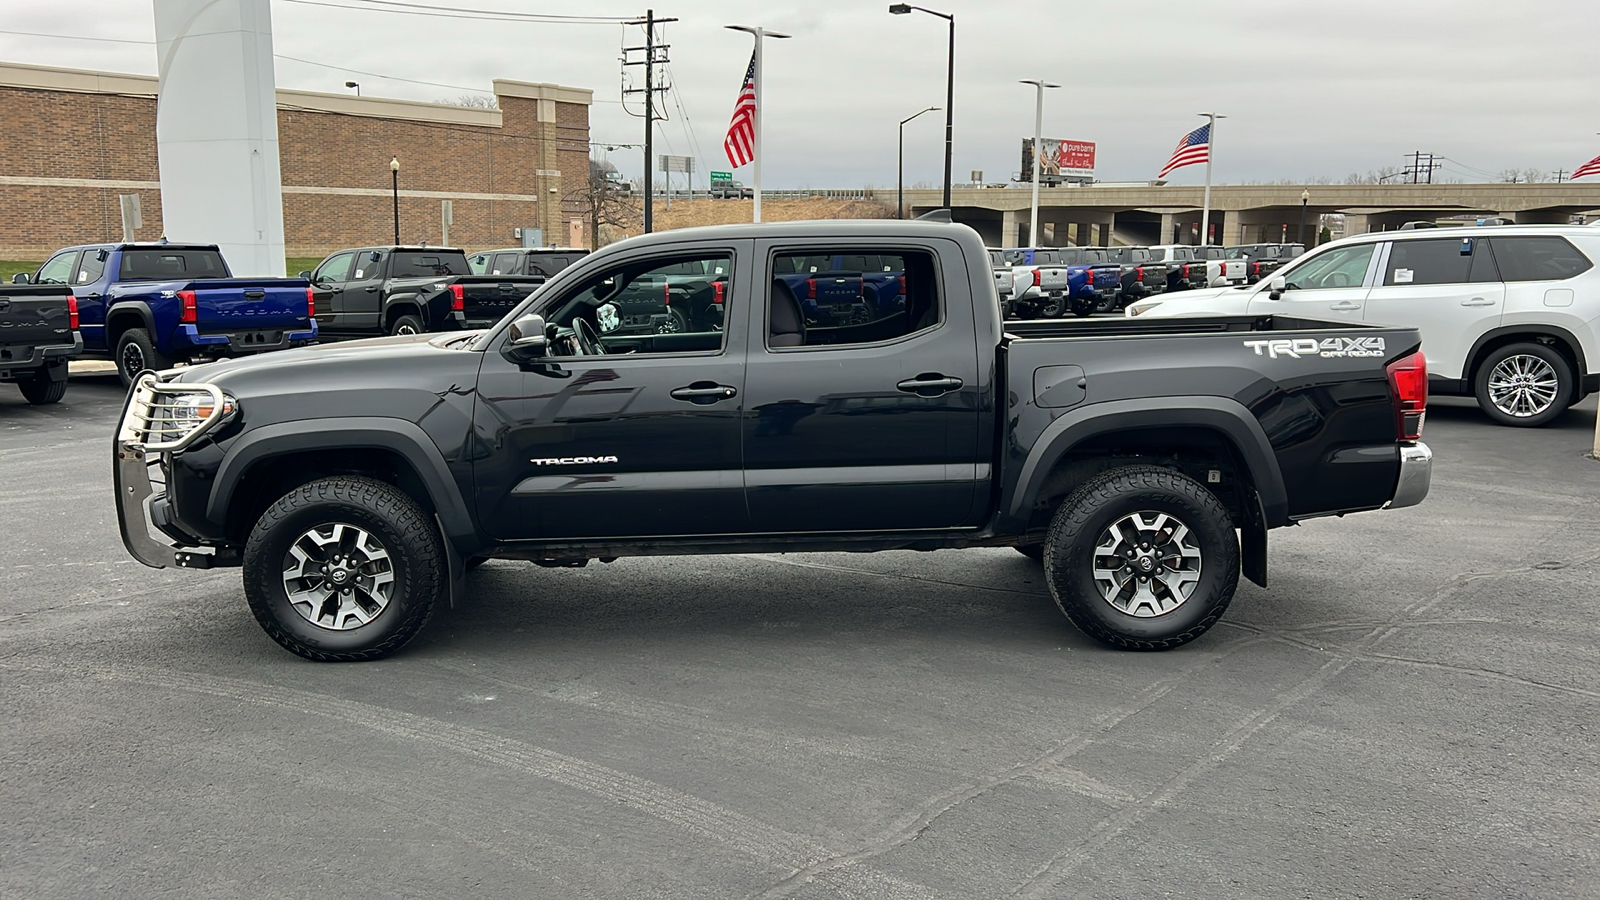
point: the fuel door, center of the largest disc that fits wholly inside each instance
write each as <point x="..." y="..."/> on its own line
<point x="1057" y="387"/>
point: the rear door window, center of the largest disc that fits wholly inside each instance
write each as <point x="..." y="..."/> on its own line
<point x="1538" y="258"/>
<point x="1428" y="262"/>
<point x="504" y="264"/>
<point x="91" y="267"/>
<point x="894" y="295"/>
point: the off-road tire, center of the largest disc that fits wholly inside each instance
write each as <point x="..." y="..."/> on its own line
<point x="47" y="385"/>
<point x="388" y="514"/>
<point x="1084" y="307"/>
<point x="406" y="325"/>
<point x="1092" y="509"/>
<point x="1052" y="308"/>
<point x="135" y="348"/>
<point x="1559" y="366"/>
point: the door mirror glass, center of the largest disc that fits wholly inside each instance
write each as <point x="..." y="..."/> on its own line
<point x="20" y="278"/>
<point x="527" y="342"/>
<point x="305" y="273"/>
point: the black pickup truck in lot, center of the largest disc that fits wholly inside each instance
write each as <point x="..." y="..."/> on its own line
<point x="38" y="334"/>
<point x="1142" y="462"/>
<point x="375" y="291"/>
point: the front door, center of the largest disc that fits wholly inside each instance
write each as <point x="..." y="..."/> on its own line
<point x="866" y="424"/>
<point x="640" y="439"/>
<point x="327" y="290"/>
<point x="1446" y="287"/>
<point x="1331" y="286"/>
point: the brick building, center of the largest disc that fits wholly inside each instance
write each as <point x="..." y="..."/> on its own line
<point x="77" y="140"/>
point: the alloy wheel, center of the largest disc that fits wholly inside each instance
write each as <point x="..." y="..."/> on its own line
<point x="338" y="576"/>
<point x="1523" y="386"/>
<point x="1147" y="564"/>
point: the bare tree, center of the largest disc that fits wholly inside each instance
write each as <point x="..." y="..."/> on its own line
<point x="473" y="101"/>
<point x="607" y="203"/>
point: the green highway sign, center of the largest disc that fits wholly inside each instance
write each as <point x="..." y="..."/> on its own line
<point x="721" y="176"/>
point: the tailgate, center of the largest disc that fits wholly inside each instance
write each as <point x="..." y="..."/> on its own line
<point x="250" y="304"/>
<point x="490" y="297"/>
<point x="34" y="316"/>
<point x="1052" y="278"/>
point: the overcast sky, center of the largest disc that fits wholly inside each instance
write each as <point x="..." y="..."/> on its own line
<point x="1311" y="87"/>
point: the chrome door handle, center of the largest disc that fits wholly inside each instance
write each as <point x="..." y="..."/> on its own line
<point x="930" y="385"/>
<point x="1478" y="301"/>
<point x="1345" y="304"/>
<point x="703" y="392"/>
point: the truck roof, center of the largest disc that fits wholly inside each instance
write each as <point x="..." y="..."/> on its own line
<point x="812" y="228"/>
<point x="537" y="250"/>
<point x="142" y="245"/>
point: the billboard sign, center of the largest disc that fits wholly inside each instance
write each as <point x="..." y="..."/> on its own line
<point x="1069" y="158"/>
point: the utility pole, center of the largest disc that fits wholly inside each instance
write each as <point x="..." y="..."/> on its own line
<point x="1561" y="175"/>
<point x="654" y="55"/>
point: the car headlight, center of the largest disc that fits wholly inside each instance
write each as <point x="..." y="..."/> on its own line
<point x="1139" y="309"/>
<point x="188" y="412"/>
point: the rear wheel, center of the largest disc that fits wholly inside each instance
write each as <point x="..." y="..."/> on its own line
<point x="48" y="384"/>
<point x="136" y="353"/>
<point x="344" y="569"/>
<point x="1142" y="558"/>
<point x="1051" y="308"/>
<point x="1084" y="306"/>
<point x="1525" y="384"/>
<point x="406" y="325"/>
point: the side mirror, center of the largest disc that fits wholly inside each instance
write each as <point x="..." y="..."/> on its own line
<point x="304" y="274"/>
<point x="100" y="255"/>
<point x="1466" y="246"/>
<point x="527" y="342"/>
<point x="375" y="256"/>
<point x="1277" y="286"/>
<point x="20" y="278"/>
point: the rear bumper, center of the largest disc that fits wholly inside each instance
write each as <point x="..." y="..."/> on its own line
<point x="16" y="359"/>
<point x="1416" y="472"/>
<point x="250" y="341"/>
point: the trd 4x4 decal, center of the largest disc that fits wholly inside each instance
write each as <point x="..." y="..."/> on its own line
<point x="1327" y="348"/>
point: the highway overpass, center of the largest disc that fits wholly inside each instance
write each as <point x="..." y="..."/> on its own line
<point x="1240" y="213"/>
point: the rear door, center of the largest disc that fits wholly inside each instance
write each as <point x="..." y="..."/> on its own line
<point x="506" y="264"/>
<point x="870" y="425"/>
<point x="363" y="293"/>
<point x="1331" y="286"/>
<point x="1448" y="288"/>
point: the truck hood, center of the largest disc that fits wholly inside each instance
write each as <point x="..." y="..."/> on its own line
<point x="329" y="361"/>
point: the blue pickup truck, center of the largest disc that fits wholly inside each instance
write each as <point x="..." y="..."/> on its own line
<point x="1049" y="281"/>
<point x="148" y="306"/>
<point x="842" y="289"/>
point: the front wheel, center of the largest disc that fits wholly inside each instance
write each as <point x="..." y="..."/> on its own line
<point x="48" y="384"/>
<point x="1142" y="558"/>
<point x="1524" y="384"/>
<point x="344" y="569"/>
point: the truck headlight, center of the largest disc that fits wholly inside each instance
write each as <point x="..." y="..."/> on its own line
<point x="186" y="413"/>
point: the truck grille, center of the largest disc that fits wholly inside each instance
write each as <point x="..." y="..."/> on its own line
<point x="163" y="417"/>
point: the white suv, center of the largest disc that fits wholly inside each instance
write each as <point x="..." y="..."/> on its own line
<point x="1509" y="314"/>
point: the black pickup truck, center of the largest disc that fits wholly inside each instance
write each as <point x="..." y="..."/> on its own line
<point x="38" y="334"/>
<point x="1142" y="461"/>
<point x="1143" y="275"/>
<point x="374" y="291"/>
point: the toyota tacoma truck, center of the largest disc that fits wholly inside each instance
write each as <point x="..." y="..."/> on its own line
<point x="376" y="291"/>
<point x="152" y="305"/>
<point x="1142" y="462"/>
<point x="38" y="335"/>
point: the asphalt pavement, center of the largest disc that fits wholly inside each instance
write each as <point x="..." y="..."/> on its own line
<point x="1409" y="711"/>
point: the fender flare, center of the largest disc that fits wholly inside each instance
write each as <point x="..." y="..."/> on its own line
<point x="404" y="302"/>
<point x="1571" y="340"/>
<point x="1228" y="417"/>
<point x="376" y="432"/>
<point x="122" y="309"/>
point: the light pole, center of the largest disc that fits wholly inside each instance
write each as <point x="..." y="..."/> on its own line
<point x="1038" y="141"/>
<point x="900" y="171"/>
<point x="755" y="145"/>
<point x="901" y="9"/>
<point x="1300" y="236"/>
<point x="394" y="172"/>
<point x="1211" y="154"/>
<point x="353" y="84"/>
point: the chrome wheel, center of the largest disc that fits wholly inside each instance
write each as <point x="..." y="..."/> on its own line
<point x="1147" y="564"/>
<point x="338" y="576"/>
<point x="1523" y="386"/>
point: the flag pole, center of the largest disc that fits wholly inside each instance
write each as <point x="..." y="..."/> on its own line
<point x="755" y="145"/>
<point x="1211" y="152"/>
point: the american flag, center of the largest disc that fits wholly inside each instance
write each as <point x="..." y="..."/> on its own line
<point x="1194" y="148"/>
<point x="1592" y="167"/>
<point x="740" y="144"/>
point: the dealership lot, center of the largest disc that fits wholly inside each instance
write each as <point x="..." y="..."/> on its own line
<point x="1407" y="712"/>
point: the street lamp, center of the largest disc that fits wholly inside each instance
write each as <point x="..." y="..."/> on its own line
<point x="394" y="171"/>
<point x="1300" y="236"/>
<point x="1038" y="141"/>
<point x="353" y="84"/>
<point x="900" y="172"/>
<point x="901" y="9"/>
<point x="755" y="146"/>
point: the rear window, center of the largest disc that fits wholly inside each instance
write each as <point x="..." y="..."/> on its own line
<point x="170" y="265"/>
<point x="1538" y="258"/>
<point x="426" y="264"/>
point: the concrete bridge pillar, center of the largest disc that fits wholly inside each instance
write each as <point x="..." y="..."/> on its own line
<point x="1356" y="224"/>
<point x="1169" y="230"/>
<point x="1231" y="231"/>
<point x="1011" y="228"/>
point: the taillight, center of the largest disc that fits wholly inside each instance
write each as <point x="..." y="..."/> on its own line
<point x="1186" y="270"/>
<point x="811" y="289"/>
<point x="191" y="308"/>
<point x="666" y="294"/>
<point x="1409" y="378"/>
<point x="1091" y="276"/>
<point x="1036" y="277"/>
<point x="717" y="289"/>
<point x="1255" y="269"/>
<point x="458" y="298"/>
<point x="311" y="303"/>
<point x="902" y="280"/>
<point x="72" y="312"/>
<point x="1139" y="273"/>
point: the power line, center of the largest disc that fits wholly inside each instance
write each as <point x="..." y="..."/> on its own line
<point x="471" y="15"/>
<point x="582" y="20"/>
<point x="74" y="37"/>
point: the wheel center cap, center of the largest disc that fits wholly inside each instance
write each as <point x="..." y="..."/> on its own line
<point x="339" y="575"/>
<point x="1146" y="563"/>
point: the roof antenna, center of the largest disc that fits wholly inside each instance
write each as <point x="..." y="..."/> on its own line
<point x="937" y="215"/>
